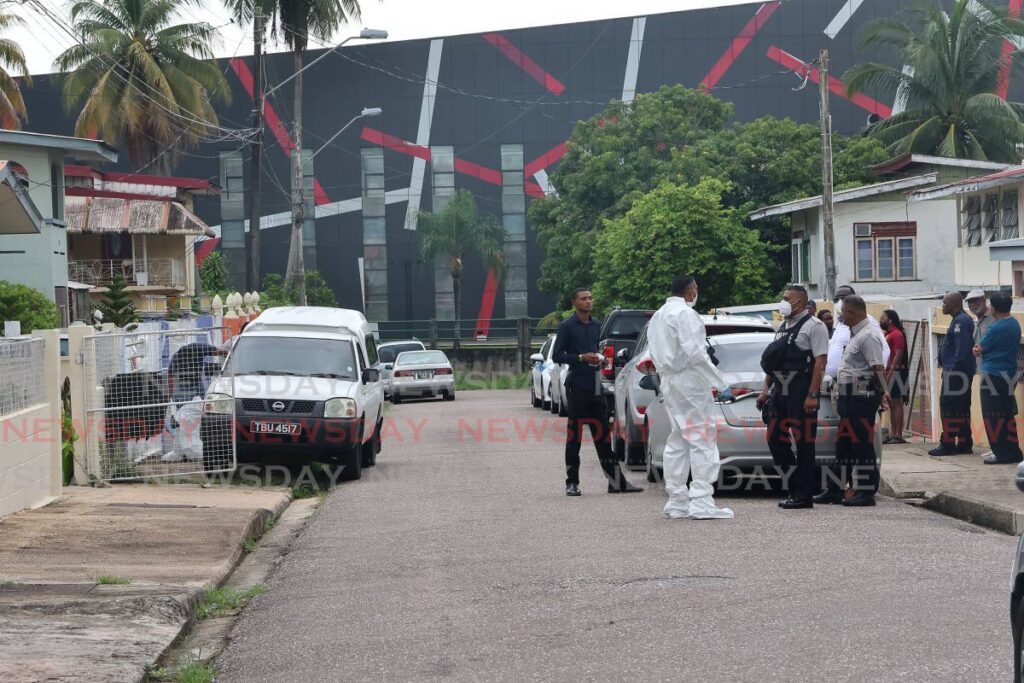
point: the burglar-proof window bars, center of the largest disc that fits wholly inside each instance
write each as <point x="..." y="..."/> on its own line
<point x="21" y="374"/>
<point x="1010" y="222"/>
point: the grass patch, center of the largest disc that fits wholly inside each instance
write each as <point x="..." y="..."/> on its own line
<point x="8" y="584"/>
<point x="321" y="497"/>
<point x="111" y="580"/>
<point x="250" y="545"/>
<point x="303" y="491"/>
<point x="473" y="381"/>
<point x="187" y="671"/>
<point x="269" y="525"/>
<point x="220" y="601"/>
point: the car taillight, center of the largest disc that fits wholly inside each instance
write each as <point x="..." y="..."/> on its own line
<point x="642" y="410"/>
<point x="646" y="366"/>
<point x="443" y="371"/>
<point x="608" y="369"/>
<point x="403" y="373"/>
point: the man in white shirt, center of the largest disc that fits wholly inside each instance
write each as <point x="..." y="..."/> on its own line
<point x="841" y="335"/>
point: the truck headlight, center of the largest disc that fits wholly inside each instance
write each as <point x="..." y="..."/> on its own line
<point x="340" y="407"/>
<point x="218" y="404"/>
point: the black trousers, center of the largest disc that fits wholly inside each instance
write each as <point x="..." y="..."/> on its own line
<point x="587" y="410"/>
<point x="955" y="410"/>
<point x="999" y="412"/>
<point x="856" y="463"/>
<point x="791" y="427"/>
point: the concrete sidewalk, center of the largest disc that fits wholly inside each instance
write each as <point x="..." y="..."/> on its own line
<point x="171" y="541"/>
<point x="960" y="486"/>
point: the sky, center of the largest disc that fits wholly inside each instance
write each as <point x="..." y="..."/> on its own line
<point x="42" y="40"/>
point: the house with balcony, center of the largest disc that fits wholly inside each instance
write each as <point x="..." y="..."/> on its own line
<point x="138" y="226"/>
<point x="33" y="173"/>
<point x="885" y="243"/>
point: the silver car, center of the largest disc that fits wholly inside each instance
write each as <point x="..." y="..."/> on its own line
<point x="543" y="368"/>
<point x="422" y="374"/>
<point x="631" y="400"/>
<point x="559" y="401"/>
<point x="386" y="355"/>
<point x="742" y="434"/>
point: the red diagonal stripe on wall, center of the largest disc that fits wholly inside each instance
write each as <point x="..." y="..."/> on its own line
<point x="483" y="318"/>
<point x="834" y="84"/>
<point x="275" y="124"/>
<point x="545" y="160"/>
<point x="1003" y="84"/>
<point x="519" y="58"/>
<point x="739" y="44"/>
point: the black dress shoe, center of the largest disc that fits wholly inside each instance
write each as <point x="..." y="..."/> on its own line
<point x="964" y="450"/>
<point x="794" y="504"/>
<point x="625" y="488"/>
<point x="572" y="490"/>
<point x="829" y="498"/>
<point x="860" y="500"/>
<point x="942" y="451"/>
<point x="993" y="460"/>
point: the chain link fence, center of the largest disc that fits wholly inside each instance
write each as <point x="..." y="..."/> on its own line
<point x="144" y="398"/>
<point x="21" y="374"/>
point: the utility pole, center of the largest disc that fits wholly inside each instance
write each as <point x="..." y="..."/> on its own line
<point x="826" y="179"/>
<point x="256" y="152"/>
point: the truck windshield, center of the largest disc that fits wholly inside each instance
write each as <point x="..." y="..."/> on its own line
<point x="292" y="356"/>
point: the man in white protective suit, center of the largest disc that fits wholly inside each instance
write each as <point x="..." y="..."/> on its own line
<point x="678" y="343"/>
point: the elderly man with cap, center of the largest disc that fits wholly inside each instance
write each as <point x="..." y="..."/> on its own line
<point x="977" y="304"/>
<point x="956" y="359"/>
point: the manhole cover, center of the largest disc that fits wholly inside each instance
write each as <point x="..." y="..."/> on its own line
<point x="677" y="581"/>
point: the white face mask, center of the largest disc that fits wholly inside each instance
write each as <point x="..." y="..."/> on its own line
<point x="693" y="303"/>
<point x="785" y="308"/>
<point x="839" y="310"/>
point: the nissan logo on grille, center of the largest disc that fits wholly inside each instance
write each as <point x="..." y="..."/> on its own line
<point x="278" y="406"/>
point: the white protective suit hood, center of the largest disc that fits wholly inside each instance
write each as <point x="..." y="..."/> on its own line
<point x="677" y="343"/>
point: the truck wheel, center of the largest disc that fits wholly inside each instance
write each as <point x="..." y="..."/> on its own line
<point x="353" y="465"/>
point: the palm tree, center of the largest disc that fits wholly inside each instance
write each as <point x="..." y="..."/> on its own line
<point x="140" y="79"/>
<point x="12" y="106"/>
<point x="298" y="21"/>
<point x="456" y="232"/>
<point x="953" y="65"/>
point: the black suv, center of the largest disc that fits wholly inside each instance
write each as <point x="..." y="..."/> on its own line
<point x="619" y="331"/>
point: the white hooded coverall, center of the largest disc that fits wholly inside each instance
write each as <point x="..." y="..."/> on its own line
<point x="677" y="344"/>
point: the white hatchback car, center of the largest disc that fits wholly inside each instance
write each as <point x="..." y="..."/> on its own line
<point x="631" y="400"/>
<point x="422" y="374"/>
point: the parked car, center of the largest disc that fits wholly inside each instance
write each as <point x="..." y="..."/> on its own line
<point x="559" y="400"/>
<point x="387" y="353"/>
<point x="1017" y="611"/>
<point x="620" y="330"/>
<point x="422" y="374"/>
<point x="301" y="385"/>
<point x="1020" y="476"/>
<point x="631" y="400"/>
<point x="741" y="432"/>
<point x="543" y="366"/>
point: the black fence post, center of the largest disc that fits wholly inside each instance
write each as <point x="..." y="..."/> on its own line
<point x="433" y="333"/>
<point x="522" y="342"/>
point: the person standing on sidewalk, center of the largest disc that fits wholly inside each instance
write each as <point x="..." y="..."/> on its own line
<point x="677" y="342"/>
<point x="841" y="335"/>
<point x="861" y="388"/>
<point x="791" y="391"/>
<point x="896" y="372"/>
<point x="978" y="306"/>
<point x="998" y="350"/>
<point x="576" y="346"/>
<point x="958" y="366"/>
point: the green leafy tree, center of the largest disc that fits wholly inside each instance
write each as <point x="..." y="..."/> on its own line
<point x="12" y="105"/>
<point x="680" y="136"/>
<point x="276" y="293"/>
<point x="117" y="306"/>
<point x="318" y="292"/>
<point x="141" y="80"/>
<point x="28" y="306"/>
<point x="457" y="231"/>
<point x="955" y="61"/>
<point x="214" y="273"/>
<point x="675" y="229"/>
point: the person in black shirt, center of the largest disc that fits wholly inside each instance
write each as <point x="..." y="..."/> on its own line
<point x="576" y="346"/>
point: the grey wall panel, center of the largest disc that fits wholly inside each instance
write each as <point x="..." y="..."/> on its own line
<point x="375" y="251"/>
<point x="232" y="212"/>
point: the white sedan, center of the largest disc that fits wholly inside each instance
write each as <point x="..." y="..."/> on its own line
<point x="543" y="368"/>
<point x="422" y="374"/>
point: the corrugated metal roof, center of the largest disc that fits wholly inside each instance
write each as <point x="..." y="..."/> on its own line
<point x="137" y="216"/>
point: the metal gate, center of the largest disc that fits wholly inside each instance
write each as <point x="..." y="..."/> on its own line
<point x="919" y="408"/>
<point x="144" y="396"/>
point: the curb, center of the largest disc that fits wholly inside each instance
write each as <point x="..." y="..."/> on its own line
<point x="977" y="511"/>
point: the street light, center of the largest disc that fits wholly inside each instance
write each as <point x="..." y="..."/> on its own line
<point x="365" y="34"/>
<point x="366" y="113"/>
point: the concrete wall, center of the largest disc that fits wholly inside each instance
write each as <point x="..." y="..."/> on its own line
<point x="974" y="269"/>
<point x="484" y="361"/>
<point x="30" y="442"/>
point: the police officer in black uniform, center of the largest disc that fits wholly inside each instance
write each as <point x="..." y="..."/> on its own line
<point x="791" y="394"/>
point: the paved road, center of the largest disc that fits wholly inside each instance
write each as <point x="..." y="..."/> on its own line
<point x="459" y="557"/>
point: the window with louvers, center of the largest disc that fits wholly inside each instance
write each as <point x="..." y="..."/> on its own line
<point x="971" y="223"/>
<point x="1010" y="223"/>
<point x="990" y="217"/>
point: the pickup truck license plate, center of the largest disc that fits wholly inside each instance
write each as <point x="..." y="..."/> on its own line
<point x="283" y="428"/>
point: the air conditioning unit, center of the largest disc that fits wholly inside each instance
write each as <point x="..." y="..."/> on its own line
<point x="862" y="230"/>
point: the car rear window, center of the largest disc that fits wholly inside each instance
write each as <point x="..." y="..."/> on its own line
<point x="389" y="353"/>
<point x="745" y="357"/>
<point x="627" y="326"/>
<point x="423" y="358"/>
<point x="719" y="328"/>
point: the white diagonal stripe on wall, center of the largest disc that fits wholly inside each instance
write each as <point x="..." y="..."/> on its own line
<point x="636" y="44"/>
<point x="423" y="132"/>
<point x="844" y="15"/>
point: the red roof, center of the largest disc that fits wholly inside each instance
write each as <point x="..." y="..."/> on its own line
<point x="193" y="184"/>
